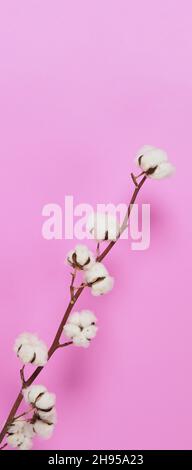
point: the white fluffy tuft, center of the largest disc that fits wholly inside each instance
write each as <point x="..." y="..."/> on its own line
<point x="20" y="434"/>
<point x="164" y="170"/>
<point x="98" y="270"/>
<point x="103" y="226"/>
<point x="102" y="287"/>
<point x="31" y="393"/>
<point x="45" y="402"/>
<point x="43" y="429"/>
<point x="30" y="349"/>
<point x="81" y="257"/>
<point x="153" y="162"/>
<point x="151" y="158"/>
<point x="99" y="280"/>
<point x="86" y="329"/>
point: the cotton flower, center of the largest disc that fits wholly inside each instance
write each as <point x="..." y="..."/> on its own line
<point x="103" y="226"/>
<point x="98" y="279"/>
<point x="154" y="162"/>
<point x="39" y="397"/>
<point x="43" y="429"/>
<point x="81" y="328"/>
<point x="33" y="392"/>
<point x="30" y="349"/>
<point x="81" y="257"/>
<point x="20" y="434"/>
<point x="44" y="423"/>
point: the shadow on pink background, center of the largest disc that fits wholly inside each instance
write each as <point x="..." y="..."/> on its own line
<point x="83" y="85"/>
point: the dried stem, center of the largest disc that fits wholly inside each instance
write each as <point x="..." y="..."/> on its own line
<point x="56" y="341"/>
<point x="5" y="445"/>
<point x="22" y="375"/>
<point x="72" y="287"/>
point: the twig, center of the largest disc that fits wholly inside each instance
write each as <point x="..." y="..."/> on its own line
<point x="23" y="414"/>
<point x="22" y="375"/>
<point x="72" y="288"/>
<point x="65" y="344"/>
<point x="55" y="344"/>
<point x="98" y="250"/>
<point x="5" y="445"/>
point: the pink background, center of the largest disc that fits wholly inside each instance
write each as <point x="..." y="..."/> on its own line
<point x="83" y="85"/>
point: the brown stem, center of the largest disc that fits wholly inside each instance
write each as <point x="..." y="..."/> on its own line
<point x="55" y="344"/>
<point x="5" y="445"/>
<point x="63" y="345"/>
<point x="22" y="375"/>
<point x="72" y="289"/>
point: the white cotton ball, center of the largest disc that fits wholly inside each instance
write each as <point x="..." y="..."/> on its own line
<point x="31" y="393"/>
<point x="81" y="257"/>
<point x="43" y="429"/>
<point x="16" y="426"/>
<point x="45" y="401"/>
<point x="81" y="340"/>
<point x="142" y="150"/>
<point x="26" y="353"/>
<point x="90" y="331"/>
<point x="28" y="429"/>
<point x="103" y="226"/>
<point x="26" y="444"/>
<point x="71" y="330"/>
<point x="87" y="318"/>
<point x="15" y="440"/>
<point x="48" y="416"/>
<point x="74" y="318"/>
<point x="19" y="435"/>
<point x="151" y="158"/>
<point x="24" y="338"/>
<point x="41" y="353"/>
<point x="102" y="287"/>
<point x="97" y="271"/>
<point x="85" y="330"/>
<point x="163" y="171"/>
<point x="30" y="349"/>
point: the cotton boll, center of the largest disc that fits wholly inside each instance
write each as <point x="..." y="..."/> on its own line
<point x="90" y="331"/>
<point x="41" y="354"/>
<point x="87" y="318"/>
<point x="86" y="329"/>
<point x="28" y="430"/>
<point x="103" y="226"/>
<point x="26" y="353"/>
<point x="74" y="318"/>
<point x="81" y="257"/>
<point x="142" y="150"/>
<point x="31" y="393"/>
<point x="24" y="338"/>
<point x="48" y="416"/>
<point x="19" y="441"/>
<point x="97" y="271"/>
<point x="43" y="429"/>
<point x="81" y="340"/>
<point x="103" y="286"/>
<point x="20" y="434"/>
<point x="16" y="426"/>
<point x="45" y="402"/>
<point x="30" y="349"/>
<point x="99" y="280"/>
<point x="151" y="158"/>
<point x="26" y="444"/>
<point x="71" y="330"/>
<point x="163" y="171"/>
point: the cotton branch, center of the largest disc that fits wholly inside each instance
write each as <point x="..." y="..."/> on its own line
<point x="74" y="297"/>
